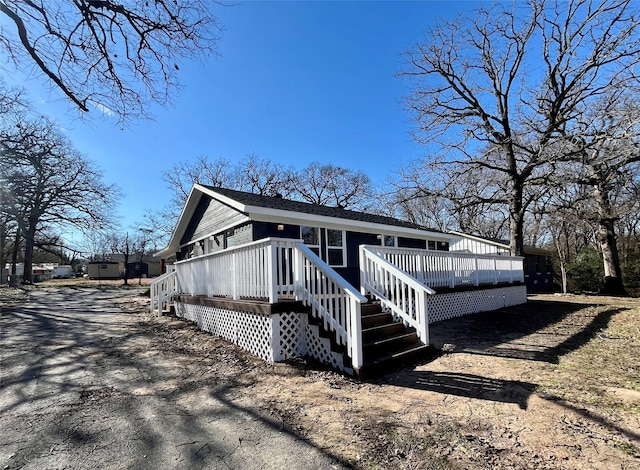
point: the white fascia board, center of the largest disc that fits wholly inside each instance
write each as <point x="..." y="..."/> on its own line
<point x="224" y="199"/>
<point x="265" y="214"/>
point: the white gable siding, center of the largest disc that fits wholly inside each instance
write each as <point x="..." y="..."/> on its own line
<point x="477" y="246"/>
<point x="216" y="217"/>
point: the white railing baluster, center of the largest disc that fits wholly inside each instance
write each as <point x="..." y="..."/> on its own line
<point x="162" y="290"/>
<point x="399" y="292"/>
<point x="272" y="270"/>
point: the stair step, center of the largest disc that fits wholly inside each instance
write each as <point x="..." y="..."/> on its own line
<point x="370" y="309"/>
<point x="376" y="319"/>
<point x="390" y="361"/>
<point x="382" y="331"/>
<point x="377" y="348"/>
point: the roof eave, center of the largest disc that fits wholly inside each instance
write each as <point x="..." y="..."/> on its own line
<point x="265" y="214"/>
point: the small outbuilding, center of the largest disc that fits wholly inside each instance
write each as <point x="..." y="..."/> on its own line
<point x="103" y="270"/>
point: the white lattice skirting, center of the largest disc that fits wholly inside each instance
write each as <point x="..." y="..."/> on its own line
<point x="273" y="338"/>
<point x="456" y="304"/>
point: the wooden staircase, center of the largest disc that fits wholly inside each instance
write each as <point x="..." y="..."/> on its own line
<point x="386" y="344"/>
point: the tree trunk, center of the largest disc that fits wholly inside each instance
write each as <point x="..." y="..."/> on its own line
<point x="13" y="282"/>
<point x="126" y="269"/>
<point x="612" y="273"/>
<point x="2" y="257"/>
<point x="29" y="243"/>
<point x="607" y="240"/>
<point x="562" y="260"/>
<point x="516" y="221"/>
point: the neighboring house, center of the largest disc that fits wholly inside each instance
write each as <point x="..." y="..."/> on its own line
<point x="149" y="266"/>
<point x="104" y="270"/>
<point x="538" y="265"/>
<point x="284" y="278"/>
<point x="39" y="272"/>
<point x="42" y="272"/>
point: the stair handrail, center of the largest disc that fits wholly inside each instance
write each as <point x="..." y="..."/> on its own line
<point x="162" y="290"/>
<point x="397" y="290"/>
<point x="332" y="299"/>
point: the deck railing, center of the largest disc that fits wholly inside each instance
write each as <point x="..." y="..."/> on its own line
<point x="276" y="268"/>
<point x="259" y="270"/>
<point x="162" y="290"/>
<point x="453" y="269"/>
<point x="332" y="300"/>
<point x="398" y="291"/>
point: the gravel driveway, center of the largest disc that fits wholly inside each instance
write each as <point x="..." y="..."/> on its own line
<point x="83" y="385"/>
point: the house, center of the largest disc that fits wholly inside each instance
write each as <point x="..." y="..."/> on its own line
<point x="139" y="265"/>
<point x="538" y="265"/>
<point x="284" y="278"/>
<point x="39" y="272"/>
<point x="216" y="219"/>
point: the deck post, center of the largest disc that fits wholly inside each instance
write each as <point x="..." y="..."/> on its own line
<point x="275" y="338"/>
<point x="356" y="332"/>
<point x="361" y="262"/>
<point x="495" y="270"/>
<point x="423" y="318"/>
<point x="272" y="273"/>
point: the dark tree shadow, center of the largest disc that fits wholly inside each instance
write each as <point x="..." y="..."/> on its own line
<point x="464" y="385"/>
<point x="53" y="343"/>
<point x="538" y="331"/>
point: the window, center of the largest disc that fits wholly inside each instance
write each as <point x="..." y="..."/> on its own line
<point x="388" y="240"/>
<point x="230" y="238"/>
<point x="336" y="248"/>
<point x="311" y="237"/>
<point x="431" y="245"/>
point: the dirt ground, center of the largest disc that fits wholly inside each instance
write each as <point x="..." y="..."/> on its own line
<point x="551" y="384"/>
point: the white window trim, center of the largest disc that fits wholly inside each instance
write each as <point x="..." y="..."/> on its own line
<point x="395" y="241"/>
<point x="343" y="247"/>
<point x="317" y="232"/>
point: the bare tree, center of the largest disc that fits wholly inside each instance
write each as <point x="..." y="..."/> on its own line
<point x="425" y="210"/>
<point x="252" y="174"/>
<point x="332" y="185"/>
<point x="183" y="175"/>
<point x="262" y="176"/>
<point x="604" y="156"/>
<point x="50" y="183"/>
<point x="495" y="93"/>
<point x="130" y="247"/>
<point x="96" y="245"/>
<point x="110" y="55"/>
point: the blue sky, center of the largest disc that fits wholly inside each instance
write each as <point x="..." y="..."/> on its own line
<point x="294" y="82"/>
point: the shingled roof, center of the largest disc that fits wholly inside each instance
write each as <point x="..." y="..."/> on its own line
<point x="277" y="202"/>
